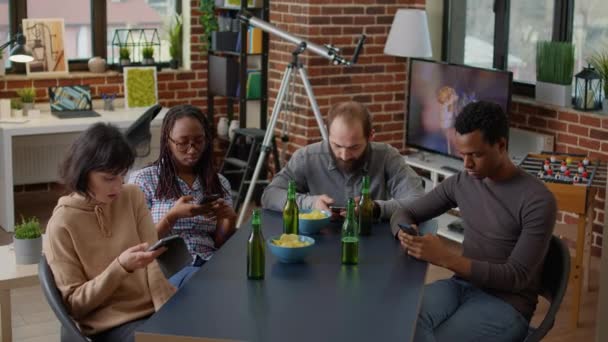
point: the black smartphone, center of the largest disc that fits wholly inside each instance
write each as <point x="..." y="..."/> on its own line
<point x="210" y="198"/>
<point x="164" y="242"/>
<point x="408" y="229"/>
<point x="336" y="209"/>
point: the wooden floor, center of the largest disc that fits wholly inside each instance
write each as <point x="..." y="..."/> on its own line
<point x="33" y="320"/>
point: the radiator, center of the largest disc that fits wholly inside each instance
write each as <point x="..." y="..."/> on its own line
<point x="36" y="158"/>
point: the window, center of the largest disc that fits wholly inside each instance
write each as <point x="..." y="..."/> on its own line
<point x="590" y="30"/>
<point x="4" y="27"/>
<point x="511" y="28"/>
<point x="77" y="39"/>
<point x="529" y="22"/>
<point x="90" y="25"/>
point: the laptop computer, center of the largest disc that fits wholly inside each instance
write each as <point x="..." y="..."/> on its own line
<point x="71" y="102"/>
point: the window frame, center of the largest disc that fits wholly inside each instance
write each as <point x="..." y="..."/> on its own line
<point x="563" y="21"/>
<point x="99" y="24"/>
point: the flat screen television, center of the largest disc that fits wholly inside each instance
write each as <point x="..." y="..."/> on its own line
<point x="438" y="92"/>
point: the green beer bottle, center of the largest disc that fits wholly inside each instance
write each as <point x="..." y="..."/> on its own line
<point x="255" y="249"/>
<point x="366" y="209"/>
<point x="290" y="211"/>
<point x="350" y="238"/>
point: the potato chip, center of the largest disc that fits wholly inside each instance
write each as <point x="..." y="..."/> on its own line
<point x="316" y="214"/>
<point x="290" y="241"/>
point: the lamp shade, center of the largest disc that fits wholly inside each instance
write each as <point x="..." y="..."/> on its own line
<point x="409" y="35"/>
<point x="19" y="53"/>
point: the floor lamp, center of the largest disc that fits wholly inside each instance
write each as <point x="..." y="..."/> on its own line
<point x="409" y="36"/>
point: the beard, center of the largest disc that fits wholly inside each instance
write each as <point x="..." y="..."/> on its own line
<point x="349" y="166"/>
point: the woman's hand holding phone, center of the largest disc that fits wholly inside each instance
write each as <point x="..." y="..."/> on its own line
<point x="138" y="256"/>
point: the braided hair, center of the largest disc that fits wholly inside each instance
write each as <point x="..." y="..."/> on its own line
<point x="168" y="187"/>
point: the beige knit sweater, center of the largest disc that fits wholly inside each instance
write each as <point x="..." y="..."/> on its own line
<point x="84" y="240"/>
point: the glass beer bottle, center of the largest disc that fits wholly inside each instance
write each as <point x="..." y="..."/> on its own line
<point x="290" y="211"/>
<point x="366" y="209"/>
<point x="255" y="249"/>
<point x="350" y="238"/>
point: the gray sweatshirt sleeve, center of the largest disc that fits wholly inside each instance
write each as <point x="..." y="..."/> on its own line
<point x="403" y="183"/>
<point x="538" y="217"/>
<point x="435" y="203"/>
<point x="275" y="194"/>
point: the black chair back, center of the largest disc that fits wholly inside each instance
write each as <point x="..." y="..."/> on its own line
<point x="69" y="330"/>
<point x="138" y="134"/>
<point x="556" y="272"/>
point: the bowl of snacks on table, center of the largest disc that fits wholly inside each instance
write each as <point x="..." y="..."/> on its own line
<point x="290" y="248"/>
<point x="312" y="220"/>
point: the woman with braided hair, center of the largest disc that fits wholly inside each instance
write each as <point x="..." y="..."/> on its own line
<point x="179" y="180"/>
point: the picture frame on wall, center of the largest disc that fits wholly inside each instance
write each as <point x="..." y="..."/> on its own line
<point x="45" y="39"/>
<point x="141" y="87"/>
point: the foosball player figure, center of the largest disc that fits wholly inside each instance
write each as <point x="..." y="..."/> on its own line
<point x="568" y="161"/>
<point x="576" y="179"/>
<point x="567" y="173"/>
<point x="586" y="161"/>
<point x="563" y="167"/>
<point x="553" y="159"/>
<point x="540" y="174"/>
<point x="585" y="175"/>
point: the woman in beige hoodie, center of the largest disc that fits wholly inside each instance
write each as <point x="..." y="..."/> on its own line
<point x="98" y="238"/>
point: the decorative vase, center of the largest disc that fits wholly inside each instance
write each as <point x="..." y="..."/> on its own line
<point x="125" y="61"/>
<point x="28" y="251"/>
<point x="605" y="105"/>
<point x="555" y="94"/>
<point x="147" y="61"/>
<point x="234" y="124"/>
<point x="27" y="106"/>
<point x="2" y="71"/>
<point x="222" y="128"/>
<point x="97" y="65"/>
<point x="17" y="113"/>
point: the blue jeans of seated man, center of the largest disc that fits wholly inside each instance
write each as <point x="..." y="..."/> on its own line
<point x="454" y="310"/>
<point x="182" y="276"/>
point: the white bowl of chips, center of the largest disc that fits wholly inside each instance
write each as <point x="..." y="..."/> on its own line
<point x="290" y="248"/>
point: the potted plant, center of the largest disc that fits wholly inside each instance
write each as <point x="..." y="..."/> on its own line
<point x="27" y="96"/>
<point x="125" y="56"/>
<point x="208" y="21"/>
<point x="16" y="108"/>
<point x="554" y="70"/>
<point x="147" y="52"/>
<point x="175" y="41"/>
<point x="28" y="241"/>
<point x="599" y="61"/>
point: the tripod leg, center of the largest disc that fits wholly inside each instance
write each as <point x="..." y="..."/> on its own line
<point x="313" y="102"/>
<point x="266" y="144"/>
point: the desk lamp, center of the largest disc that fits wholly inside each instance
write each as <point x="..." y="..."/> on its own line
<point x="18" y="53"/>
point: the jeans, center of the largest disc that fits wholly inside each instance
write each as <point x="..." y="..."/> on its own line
<point x="123" y="333"/>
<point x="454" y="310"/>
<point x="182" y="276"/>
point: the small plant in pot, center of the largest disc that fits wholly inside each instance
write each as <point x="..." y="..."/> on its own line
<point x="27" y="96"/>
<point x="554" y="70"/>
<point x="175" y="41"/>
<point x="148" y="55"/>
<point x="599" y="61"/>
<point x="16" y="108"/>
<point x="125" y="56"/>
<point x="28" y="241"/>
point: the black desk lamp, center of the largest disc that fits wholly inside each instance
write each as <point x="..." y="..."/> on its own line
<point x="18" y="54"/>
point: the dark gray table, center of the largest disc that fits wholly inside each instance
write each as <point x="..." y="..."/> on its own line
<point x="319" y="300"/>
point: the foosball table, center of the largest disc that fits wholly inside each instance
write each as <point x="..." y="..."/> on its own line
<point x="573" y="180"/>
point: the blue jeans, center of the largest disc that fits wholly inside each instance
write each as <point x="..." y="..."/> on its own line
<point x="182" y="276"/>
<point x="454" y="310"/>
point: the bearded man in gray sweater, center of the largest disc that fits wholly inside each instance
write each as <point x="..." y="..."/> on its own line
<point x="508" y="216"/>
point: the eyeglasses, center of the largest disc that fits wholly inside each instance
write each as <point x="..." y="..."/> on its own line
<point x="184" y="147"/>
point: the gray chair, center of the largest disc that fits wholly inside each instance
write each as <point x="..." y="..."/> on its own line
<point x="556" y="272"/>
<point x="138" y="134"/>
<point x="69" y="330"/>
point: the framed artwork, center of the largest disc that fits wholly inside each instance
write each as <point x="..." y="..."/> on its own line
<point x="140" y="87"/>
<point x="45" y="39"/>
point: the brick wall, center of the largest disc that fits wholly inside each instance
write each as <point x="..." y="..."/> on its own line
<point x="574" y="132"/>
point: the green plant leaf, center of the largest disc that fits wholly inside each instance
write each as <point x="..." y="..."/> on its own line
<point x="554" y="62"/>
<point x="28" y="229"/>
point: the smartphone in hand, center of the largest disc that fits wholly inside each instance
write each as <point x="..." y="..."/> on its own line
<point x="210" y="198"/>
<point x="336" y="209"/>
<point x="164" y="242"/>
<point x="408" y="229"/>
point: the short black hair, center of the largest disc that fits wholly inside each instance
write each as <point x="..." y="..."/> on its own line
<point x="487" y="117"/>
<point x="102" y="147"/>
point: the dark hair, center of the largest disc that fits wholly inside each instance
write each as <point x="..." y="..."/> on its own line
<point x="487" y="117"/>
<point x="168" y="187"/>
<point x="351" y="110"/>
<point x="102" y="147"/>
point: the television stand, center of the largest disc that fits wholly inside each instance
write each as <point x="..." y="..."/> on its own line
<point x="438" y="165"/>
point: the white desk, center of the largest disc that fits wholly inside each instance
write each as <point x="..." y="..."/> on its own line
<point x="48" y="124"/>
